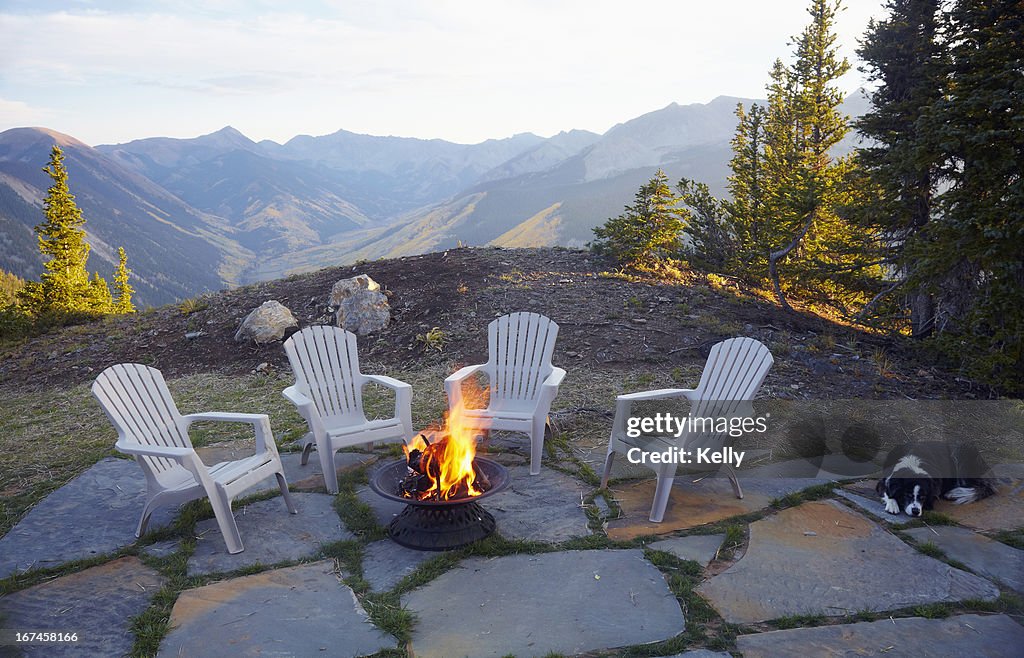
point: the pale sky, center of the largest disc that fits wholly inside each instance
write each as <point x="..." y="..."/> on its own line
<point x="461" y="70"/>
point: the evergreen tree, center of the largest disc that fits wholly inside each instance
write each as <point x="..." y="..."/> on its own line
<point x="10" y="285"/>
<point x="122" y="288"/>
<point x="903" y="55"/>
<point x="972" y="253"/>
<point x="827" y="258"/>
<point x="745" y="212"/>
<point x="649" y="231"/>
<point x="712" y="246"/>
<point x="64" y="286"/>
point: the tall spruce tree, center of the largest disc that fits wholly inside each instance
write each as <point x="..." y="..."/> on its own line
<point x="903" y="55"/>
<point x="64" y="286"/>
<point x="649" y="231"/>
<point x="972" y="254"/>
<point x="826" y="257"/>
<point x="745" y="211"/>
<point x="65" y="289"/>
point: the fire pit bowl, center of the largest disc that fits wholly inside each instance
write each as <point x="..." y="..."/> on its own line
<point x="438" y="525"/>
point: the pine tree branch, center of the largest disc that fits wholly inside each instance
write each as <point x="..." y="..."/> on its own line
<point x="877" y="298"/>
<point x="775" y="256"/>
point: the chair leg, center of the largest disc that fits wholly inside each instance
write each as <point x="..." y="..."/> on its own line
<point x="226" y="522"/>
<point x="152" y="502"/>
<point x="327" y="466"/>
<point x="283" y="484"/>
<point x="537" y="444"/>
<point x="143" y="520"/>
<point x="661" y="495"/>
<point x="736" y="489"/>
<point x="306" y="449"/>
<point x="607" y="468"/>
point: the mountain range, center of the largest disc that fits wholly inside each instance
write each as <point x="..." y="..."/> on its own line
<point x="222" y="210"/>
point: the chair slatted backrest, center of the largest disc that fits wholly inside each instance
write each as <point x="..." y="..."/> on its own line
<point x="326" y="367"/>
<point x="136" y="400"/>
<point x="519" y="353"/>
<point x="732" y="375"/>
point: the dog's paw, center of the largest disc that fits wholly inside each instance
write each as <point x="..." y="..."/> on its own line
<point x="891" y="506"/>
<point x="961" y="495"/>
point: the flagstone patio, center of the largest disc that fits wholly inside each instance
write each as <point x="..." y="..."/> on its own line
<point x="569" y="593"/>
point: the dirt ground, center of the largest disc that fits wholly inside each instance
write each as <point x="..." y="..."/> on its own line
<point x="607" y="323"/>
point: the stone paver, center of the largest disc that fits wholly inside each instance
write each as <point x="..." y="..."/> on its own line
<point x="873" y="506"/>
<point x="699" y="548"/>
<point x="982" y="555"/>
<point x="298" y="611"/>
<point x="270" y="534"/>
<point x="992" y="636"/>
<point x="827" y="467"/>
<point x="701" y="653"/>
<point x="93" y="514"/>
<point x="695" y="503"/>
<point x="97" y="603"/>
<point x="530" y="605"/>
<point x="822" y="558"/>
<point x="383" y="509"/>
<point x="162" y="548"/>
<point x="545" y="507"/>
<point x="385" y="563"/>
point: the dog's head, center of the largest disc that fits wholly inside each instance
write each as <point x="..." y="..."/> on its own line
<point x="912" y="496"/>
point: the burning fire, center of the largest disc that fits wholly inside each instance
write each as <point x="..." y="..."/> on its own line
<point x="441" y="459"/>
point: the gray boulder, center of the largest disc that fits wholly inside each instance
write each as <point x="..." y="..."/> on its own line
<point x="268" y="322"/>
<point x="359" y="305"/>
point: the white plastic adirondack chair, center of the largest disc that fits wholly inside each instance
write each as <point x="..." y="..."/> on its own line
<point x="328" y="392"/>
<point x="734" y="372"/>
<point x="522" y="382"/>
<point x="149" y="427"/>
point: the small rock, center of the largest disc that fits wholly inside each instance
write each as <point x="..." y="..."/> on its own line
<point x="639" y="321"/>
<point x="266" y="323"/>
<point x="192" y="335"/>
<point x="261" y="367"/>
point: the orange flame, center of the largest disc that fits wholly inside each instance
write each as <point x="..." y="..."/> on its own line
<point x="448" y="461"/>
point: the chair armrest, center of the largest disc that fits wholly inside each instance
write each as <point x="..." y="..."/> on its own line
<point x="306" y="409"/>
<point x="259" y="422"/>
<point x="462" y="373"/>
<point x="296" y="397"/>
<point x="555" y="378"/>
<point x="403" y="400"/>
<point x="624" y="402"/>
<point x="389" y="382"/>
<point x="453" y="383"/>
<point x="226" y="417"/>
<point x="169" y="452"/>
<point x="660" y="394"/>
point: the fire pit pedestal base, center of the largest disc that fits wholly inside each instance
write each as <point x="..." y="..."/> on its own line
<point x="441" y="528"/>
<point x="432" y="525"/>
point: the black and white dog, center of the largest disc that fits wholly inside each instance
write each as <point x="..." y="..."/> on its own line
<point x="916" y="474"/>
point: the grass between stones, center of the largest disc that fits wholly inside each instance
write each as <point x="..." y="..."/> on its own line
<point x="1013" y="538"/>
<point x="704" y="627"/>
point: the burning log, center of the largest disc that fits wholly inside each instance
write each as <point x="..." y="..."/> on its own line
<point x="425" y="479"/>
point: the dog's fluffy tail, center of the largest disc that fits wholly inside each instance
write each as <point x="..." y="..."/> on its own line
<point x="962" y="495"/>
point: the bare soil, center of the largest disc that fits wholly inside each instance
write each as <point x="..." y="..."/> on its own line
<point x="608" y="322"/>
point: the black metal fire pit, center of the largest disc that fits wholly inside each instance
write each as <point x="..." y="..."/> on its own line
<point x="438" y="525"/>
